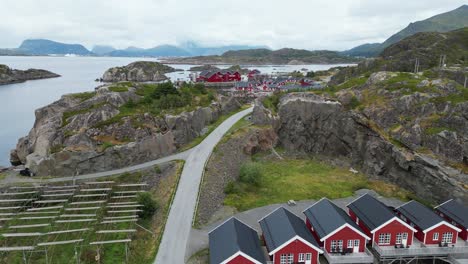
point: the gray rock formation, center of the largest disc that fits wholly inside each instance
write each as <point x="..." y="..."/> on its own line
<point x="314" y="125"/>
<point x="8" y="75"/>
<point x="140" y="71"/>
<point x="72" y="136"/>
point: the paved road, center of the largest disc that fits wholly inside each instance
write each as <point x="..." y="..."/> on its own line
<point x="176" y="234"/>
<point x="177" y="156"/>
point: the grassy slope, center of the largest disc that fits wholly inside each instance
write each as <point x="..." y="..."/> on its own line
<point x="304" y="179"/>
<point x="143" y="247"/>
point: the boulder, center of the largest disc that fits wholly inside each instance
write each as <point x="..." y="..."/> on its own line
<point x="140" y="71"/>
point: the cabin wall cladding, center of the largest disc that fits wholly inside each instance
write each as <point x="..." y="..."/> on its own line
<point x="296" y="247"/>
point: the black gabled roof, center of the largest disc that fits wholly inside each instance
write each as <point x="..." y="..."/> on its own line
<point x="420" y="215"/>
<point x="231" y="237"/>
<point x="281" y="226"/>
<point x="370" y="211"/>
<point x="326" y="217"/>
<point x="456" y="211"/>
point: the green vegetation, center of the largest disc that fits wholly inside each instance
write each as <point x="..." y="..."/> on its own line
<point x="201" y="257"/>
<point x="436" y="130"/>
<point x="212" y="127"/>
<point x="310" y="74"/>
<point x="68" y="114"/>
<point x="150" y="206"/>
<point x="164" y="98"/>
<point x="143" y="247"/>
<point x="83" y="96"/>
<point x="120" y="87"/>
<point x="56" y="148"/>
<point x="250" y="173"/>
<point x="271" y="102"/>
<point x="299" y="179"/>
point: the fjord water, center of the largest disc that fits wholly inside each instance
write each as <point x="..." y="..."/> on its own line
<point x="18" y="101"/>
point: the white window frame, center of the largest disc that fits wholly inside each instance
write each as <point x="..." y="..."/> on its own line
<point x="301" y="257"/>
<point x="357" y="243"/>
<point x="284" y="259"/>
<point x="446" y="236"/>
<point x="435" y="236"/>
<point x="308" y="256"/>
<point x="350" y="243"/>
<point x="291" y="258"/>
<point x="385" y="238"/>
<point x="400" y="237"/>
<point x="337" y="244"/>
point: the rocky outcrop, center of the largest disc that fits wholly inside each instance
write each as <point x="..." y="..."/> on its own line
<point x="140" y="71"/>
<point x="314" y="125"/>
<point x="72" y="136"/>
<point x="8" y="75"/>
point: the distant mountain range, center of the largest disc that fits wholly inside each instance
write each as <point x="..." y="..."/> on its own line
<point x="267" y="57"/>
<point x="444" y="22"/>
<point x="49" y="47"/>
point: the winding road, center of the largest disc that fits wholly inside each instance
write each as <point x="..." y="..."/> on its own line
<point x="176" y="234"/>
<point x="177" y="231"/>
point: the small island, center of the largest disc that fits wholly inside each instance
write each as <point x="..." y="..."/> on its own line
<point x="8" y="75"/>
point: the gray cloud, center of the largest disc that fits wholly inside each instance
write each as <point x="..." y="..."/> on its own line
<point x="309" y="24"/>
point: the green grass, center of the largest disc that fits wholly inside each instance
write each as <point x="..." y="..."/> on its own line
<point x="301" y="179"/>
<point x="118" y="88"/>
<point x="83" y="96"/>
<point x="436" y="130"/>
<point x="212" y="127"/>
<point x="142" y="249"/>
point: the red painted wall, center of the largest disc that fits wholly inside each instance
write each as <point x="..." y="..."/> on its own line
<point x="346" y="234"/>
<point x="296" y="247"/>
<point x="360" y="224"/>
<point x="463" y="234"/>
<point x="440" y="229"/>
<point x="215" y="78"/>
<point x="309" y="226"/>
<point x="240" y="260"/>
<point x="394" y="228"/>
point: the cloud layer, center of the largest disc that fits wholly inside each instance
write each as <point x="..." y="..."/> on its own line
<point x="308" y="24"/>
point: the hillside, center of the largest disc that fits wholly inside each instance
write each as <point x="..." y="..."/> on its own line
<point x="45" y="47"/>
<point x="102" y="49"/>
<point x="266" y="56"/>
<point x="425" y="46"/>
<point x="444" y="22"/>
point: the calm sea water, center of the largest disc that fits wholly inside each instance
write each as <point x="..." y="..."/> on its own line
<point x="18" y="101"/>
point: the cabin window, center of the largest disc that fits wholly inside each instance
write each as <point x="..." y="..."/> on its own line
<point x="286" y="258"/>
<point x="337" y="245"/>
<point x="301" y="257"/>
<point x="400" y="237"/>
<point x="352" y="243"/>
<point x="384" y="238"/>
<point x="447" y="237"/>
<point x="435" y="236"/>
<point x="308" y="256"/>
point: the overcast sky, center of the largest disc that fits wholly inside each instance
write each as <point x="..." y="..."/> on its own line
<point x="308" y="24"/>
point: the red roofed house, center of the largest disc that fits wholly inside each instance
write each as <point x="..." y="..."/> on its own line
<point x="456" y="214"/>
<point x="287" y="238"/>
<point x="380" y="223"/>
<point x="432" y="229"/>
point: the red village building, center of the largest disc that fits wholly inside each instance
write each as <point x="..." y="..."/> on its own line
<point x="253" y="73"/>
<point x="380" y="223"/>
<point x="456" y="214"/>
<point x="342" y="240"/>
<point x="287" y="238"/>
<point x="234" y="242"/>
<point x="219" y="76"/>
<point x="432" y="229"/>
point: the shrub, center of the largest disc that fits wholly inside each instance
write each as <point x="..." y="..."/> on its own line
<point x="310" y="74"/>
<point x="164" y="89"/>
<point x="354" y="102"/>
<point x="150" y="206"/>
<point x="251" y="173"/>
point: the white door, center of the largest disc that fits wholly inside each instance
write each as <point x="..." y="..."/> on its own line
<point x="308" y="258"/>
<point x="356" y="246"/>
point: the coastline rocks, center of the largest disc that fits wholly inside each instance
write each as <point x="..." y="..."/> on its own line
<point x="312" y="124"/>
<point x="8" y="75"/>
<point x="72" y="136"/>
<point x="140" y="71"/>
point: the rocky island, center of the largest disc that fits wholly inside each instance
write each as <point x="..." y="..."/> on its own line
<point x="8" y="75"/>
<point x="140" y="71"/>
